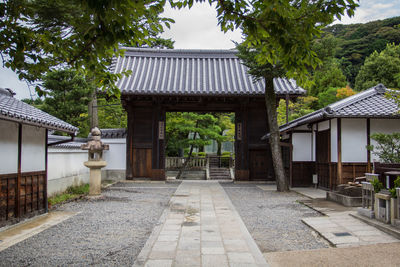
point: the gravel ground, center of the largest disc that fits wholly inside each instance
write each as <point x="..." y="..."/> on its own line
<point x="146" y="184"/>
<point x="274" y="219"/>
<point x="109" y="231"/>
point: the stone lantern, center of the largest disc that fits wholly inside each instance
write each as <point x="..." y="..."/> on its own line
<point x="95" y="161"/>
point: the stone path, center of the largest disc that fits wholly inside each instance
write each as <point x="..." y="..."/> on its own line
<point x="342" y="230"/>
<point x="201" y="228"/>
<point x="311" y="192"/>
<point x="25" y="230"/>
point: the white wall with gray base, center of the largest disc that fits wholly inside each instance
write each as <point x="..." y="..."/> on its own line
<point x="65" y="166"/>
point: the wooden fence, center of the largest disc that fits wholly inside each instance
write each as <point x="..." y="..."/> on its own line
<point x="24" y="197"/>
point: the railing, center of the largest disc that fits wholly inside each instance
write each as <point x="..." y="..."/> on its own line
<point x="221" y="162"/>
<point x="172" y="163"/>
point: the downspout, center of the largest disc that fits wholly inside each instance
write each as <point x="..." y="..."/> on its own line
<point x="63" y="141"/>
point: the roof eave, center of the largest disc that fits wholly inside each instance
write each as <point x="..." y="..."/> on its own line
<point x="39" y="124"/>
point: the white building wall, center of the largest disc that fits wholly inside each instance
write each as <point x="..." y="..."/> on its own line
<point x="323" y="125"/>
<point x="386" y="126"/>
<point x="65" y="168"/>
<point x="116" y="155"/>
<point x="354" y="140"/>
<point x="33" y="153"/>
<point x="334" y="150"/>
<point x="302" y="148"/>
<point x="8" y="147"/>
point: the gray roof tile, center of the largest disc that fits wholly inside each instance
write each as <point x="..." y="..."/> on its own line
<point x="112" y="133"/>
<point x="371" y="103"/>
<point x="191" y="72"/>
<point x="16" y="110"/>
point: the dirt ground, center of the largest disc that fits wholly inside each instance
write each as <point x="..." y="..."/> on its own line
<point x="372" y="255"/>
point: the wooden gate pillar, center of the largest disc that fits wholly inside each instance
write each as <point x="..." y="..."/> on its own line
<point x="158" y="161"/>
<point x="241" y="145"/>
<point x="129" y="145"/>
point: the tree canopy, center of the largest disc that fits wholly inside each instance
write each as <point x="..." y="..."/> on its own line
<point x="357" y="41"/>
<point x="380" y="67"/>
<point x="39" y="35"/>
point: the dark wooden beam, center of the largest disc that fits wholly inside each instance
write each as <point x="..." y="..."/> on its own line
<point x="129" y="145"/>
<point x="19" y="173"/>
<point x="287" y="108"/>
<point x="368" y="144"/>
<point x="46" y="204"/>
<point x="339" y="150"/>
<point x="329" y="155"/>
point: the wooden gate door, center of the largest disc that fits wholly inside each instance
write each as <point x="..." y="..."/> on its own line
<point x="323" y="157"/>
<point x="260" y="167"/>
<point x="141" y="163"/>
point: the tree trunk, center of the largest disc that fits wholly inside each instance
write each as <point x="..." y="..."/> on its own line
<point x="219" y="149"/>
<point x="274" y="139"/>
<point x="93" y="117"/>
<point x="178" y="176"/>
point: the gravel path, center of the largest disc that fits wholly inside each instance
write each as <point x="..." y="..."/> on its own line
<point x="109" y="231"/>
<point x="274" y="219"/>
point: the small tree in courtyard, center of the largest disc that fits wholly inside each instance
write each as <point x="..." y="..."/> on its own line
<point x="280" y="33"/>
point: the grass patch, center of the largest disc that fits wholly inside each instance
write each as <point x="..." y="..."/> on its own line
<point x="70" y="193"/>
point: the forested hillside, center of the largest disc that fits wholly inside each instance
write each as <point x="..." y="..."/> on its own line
<point x="357" y="41"/>
<point x="354" y="57"/>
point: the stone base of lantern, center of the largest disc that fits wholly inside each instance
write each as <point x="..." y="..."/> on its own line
<point x="95" y="176"/>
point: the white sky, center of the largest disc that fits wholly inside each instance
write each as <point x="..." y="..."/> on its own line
<point x="197" y="29"/>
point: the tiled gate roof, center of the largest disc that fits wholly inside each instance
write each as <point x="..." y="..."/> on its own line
<point x="191" y="72"/>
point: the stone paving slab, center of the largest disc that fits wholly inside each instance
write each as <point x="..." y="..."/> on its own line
<point x="19" y="232"/>
<point x="342" y="230"/>
<point x="201" y="228"/>
<point x="310" y="192"/>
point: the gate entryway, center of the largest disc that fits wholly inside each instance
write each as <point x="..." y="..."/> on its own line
<point x="197" y="81"/>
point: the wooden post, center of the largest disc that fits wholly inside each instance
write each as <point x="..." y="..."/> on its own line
<point x="339" y="149"/>
<point x="329" y="155"/>
<point x="46" y="203"/>
<point x="287" y="108"/>
<point x="368" y="144"/>
<point x="291" y="161"/>
<point x="129" y="145"/>
<point x="19" y="173"/>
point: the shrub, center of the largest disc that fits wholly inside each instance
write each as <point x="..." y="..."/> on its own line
<point x="396" y="185"/>
<point x="201" y="154"/>
<point x="378" y="186"/>
<point x="387" y="148"/>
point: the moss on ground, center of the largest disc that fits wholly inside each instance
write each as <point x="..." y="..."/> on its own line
<point x="72" y="192"/>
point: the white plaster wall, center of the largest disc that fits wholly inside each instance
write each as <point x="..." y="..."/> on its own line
<point x="65" y="168"/>
<point x="302" y="148"/>
<point x="33" y="153"/>
<point x="323" y="125"/>
<point x="8" y="147"/>
<point x="334" y="152"/>
<point x="354" y="140"/>
<point x="387" y="126"/>
<point x="116" y="155"/>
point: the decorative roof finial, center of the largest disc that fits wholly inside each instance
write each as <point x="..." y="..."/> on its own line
<point x="380" y="88"/>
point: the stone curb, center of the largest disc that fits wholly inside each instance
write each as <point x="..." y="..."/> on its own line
<point x="316" y="231"/>
<point x="379" y="225"/>
<point x="144" y="253"/>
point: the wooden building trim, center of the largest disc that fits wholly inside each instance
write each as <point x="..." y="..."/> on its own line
<point x="368" y="144"/>
<point x="129" y="144"/>
<point x="46" y="203"/>
<point x="19" y="169"/>
<point x="339" y="150"/>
